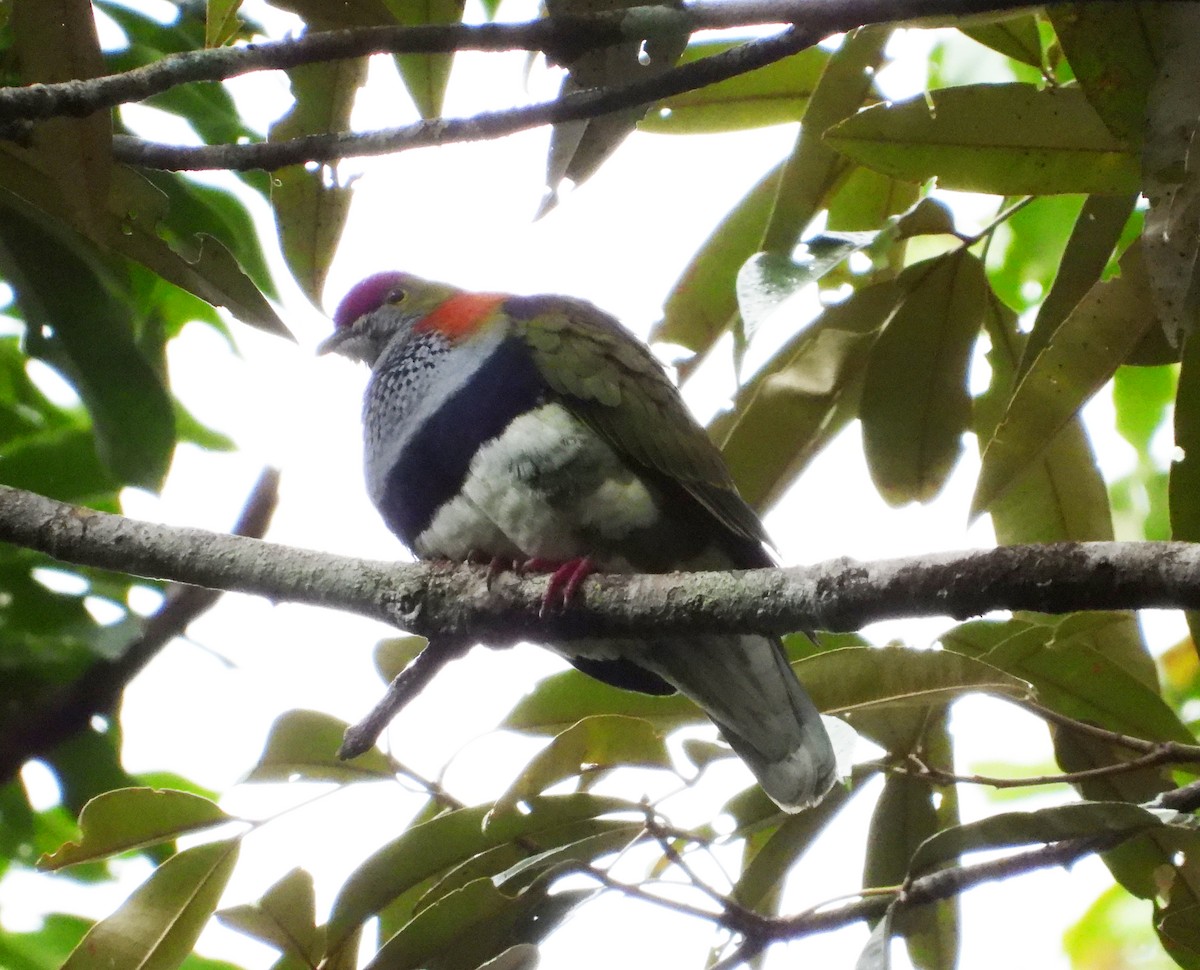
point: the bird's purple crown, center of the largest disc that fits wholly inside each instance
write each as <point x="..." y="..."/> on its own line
<point x="367" y="295"/>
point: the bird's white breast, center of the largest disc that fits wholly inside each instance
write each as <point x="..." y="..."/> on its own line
<point x="547" y="487"/>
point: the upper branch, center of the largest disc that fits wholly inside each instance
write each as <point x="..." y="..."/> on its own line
<point x="560" y="37"/>
<point x="441" y="599"/>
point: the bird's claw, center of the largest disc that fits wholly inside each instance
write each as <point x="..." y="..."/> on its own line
<point x="565" y="582"/>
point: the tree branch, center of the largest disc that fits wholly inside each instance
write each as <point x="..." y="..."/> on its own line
<point x="458" y="601"/>
<point x="561" y="37"/>
<point x="52" y="719"/>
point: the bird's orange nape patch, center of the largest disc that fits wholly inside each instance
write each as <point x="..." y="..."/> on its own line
<point x="461" y="315"/>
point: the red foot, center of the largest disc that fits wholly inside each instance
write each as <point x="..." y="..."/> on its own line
<point x="565" y="581"/>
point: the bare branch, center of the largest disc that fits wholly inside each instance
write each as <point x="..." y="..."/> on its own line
<point x="448" y="600"/>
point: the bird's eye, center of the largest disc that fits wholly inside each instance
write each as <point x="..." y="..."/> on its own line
<point x="398" y="295"/>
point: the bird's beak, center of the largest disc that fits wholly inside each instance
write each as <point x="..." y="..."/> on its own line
<point x="332" y="343"/>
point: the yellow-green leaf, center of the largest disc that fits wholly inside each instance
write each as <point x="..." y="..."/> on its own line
<point x="284" y="918"/>
<point x="156" y="928"/>
<point x="601" y="741"/>
<point x="1035" y="141"/>
<point x="132" y="818"/>
<point x="303" y="745"/>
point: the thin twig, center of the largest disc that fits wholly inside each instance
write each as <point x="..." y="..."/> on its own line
<point x="1163" y="755"/>
<point x="1179" y="752"/>
<point x="404" y="687"/>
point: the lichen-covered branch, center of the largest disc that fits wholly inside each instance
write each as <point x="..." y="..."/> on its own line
<point x="458" y="601"/>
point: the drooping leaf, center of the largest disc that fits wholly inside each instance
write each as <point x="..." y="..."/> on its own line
<point x="1084" y="352"/>
<point x="1036" y="142"/>
<point x="434" y="846"/>
<point x="426" y="75"/>
<point x="915" y="406"/>
<point x="1091" y="246"/>
<point x="310" y="210"/>
<point x="132" y="818"/>
<point x="221" y="22"/>
<point x="70" y="298"/>
<point x="804" y="396"/>
<point x="703" y="300"/>
<point x="284" y="918"/>
<point x="1061" y="496"/>
<point x="156" y="928"/>
<point x="600" y="741"/>
<point x="303" y="745"/>
<point x="813" y="168"/>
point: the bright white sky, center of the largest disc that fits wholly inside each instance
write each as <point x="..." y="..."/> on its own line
<point x="463" y="213"/>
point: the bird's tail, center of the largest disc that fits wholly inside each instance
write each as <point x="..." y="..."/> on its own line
<point x="744" y="683"/>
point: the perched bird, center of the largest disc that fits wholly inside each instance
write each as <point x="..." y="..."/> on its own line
<point x="537" y="429"/>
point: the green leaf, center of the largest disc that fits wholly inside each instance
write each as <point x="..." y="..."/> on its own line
<point x="431" y="847"/>
<point x="133" y="818"/>
<point x="458" y="932"/>
<point x="426" y="75"/>
<point x="771" y="95"/>
<point x="804" y="395"/>
<point x="703" y="300"/>
<point x="1036" y="142"/>
<point x="396" y="653"/>
<point x="1061" y="495"/>
<point x="1088" y="252"/>
<point x="563" y="699"/>
<point x="600" y="741"/>
<point x="1083" y="354"/>
<point x="1010" y="829"/>
<point x="915" y="406"/>
<point x="1110" y="47"/>
<point x="158" y="925"/>
<point x="865" y="199"/>
<point x="813" y="168"/>
<point x="71" y="300"/>
<point x="284" y="918"/>
<point x="310" y="211"/>
<point x="1073" y="678"/>
<point x="1184" y="486"/>
<point x="885" y="693"/>
<point x="303" y="745"/>
<point x="46" y="948"/>
<point x="766" y="280"/>
<point x="903" y="818"/>
<point x="763" y="873"/>
<point x="221" y="22"/>
<point x="1016" y="36"/>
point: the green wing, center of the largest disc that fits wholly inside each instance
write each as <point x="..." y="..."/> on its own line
<point x="610" y="380"/>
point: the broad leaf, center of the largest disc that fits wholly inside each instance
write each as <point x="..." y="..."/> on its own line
<point x="133" y="818"/>
<point x="158" y="925"/>
<point x="601" y="741"/>
<point x="1035" y="141"/>
<point x="915" y="406"/>
<point x="284" y="918"/>
<point x="1083" y="354"/>
<point x="303" y="745"/>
